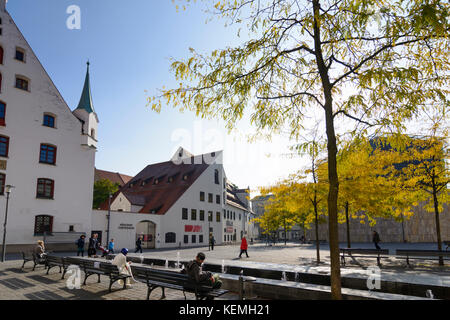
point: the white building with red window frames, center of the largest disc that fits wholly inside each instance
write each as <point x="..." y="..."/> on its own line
<point x="47" y="152"/>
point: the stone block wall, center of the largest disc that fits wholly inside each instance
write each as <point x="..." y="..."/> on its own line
<point x="421" y="227"/>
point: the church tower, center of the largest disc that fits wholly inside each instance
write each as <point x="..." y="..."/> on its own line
<point x="86" y="114"/>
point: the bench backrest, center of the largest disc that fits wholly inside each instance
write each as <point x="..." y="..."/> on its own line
<point x="364" y="251"/>
<point x="109" y="268"/>
<point x="72" y="261"/>
<point x="422" y="253"/>
<point x="169" y="277"/>
<point x="161" y="275"/>
<point x="54" y="259"/>
<point x="27" y="255"/>
<point x="90" y="264"/>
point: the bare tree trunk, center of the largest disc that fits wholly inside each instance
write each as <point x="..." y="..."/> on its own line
<point x="285" y="233"/>
<point x="317" y="234"/>
<point x="438" y="224"/>
<point x="349" y="245"/>
<point x="332" y="161"/>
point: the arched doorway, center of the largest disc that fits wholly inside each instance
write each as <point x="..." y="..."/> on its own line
<point x="146" y="229"/>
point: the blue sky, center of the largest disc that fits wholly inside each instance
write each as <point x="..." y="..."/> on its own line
<point x="129" y="44"/>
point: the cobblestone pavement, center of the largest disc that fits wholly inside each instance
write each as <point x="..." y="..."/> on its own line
<point x="18" y="284"/>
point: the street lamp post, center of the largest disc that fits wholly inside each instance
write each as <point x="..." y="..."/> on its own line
<point x="8" y="191"/>
<point x="109" y="219"/>
<point x="209" y="230"/>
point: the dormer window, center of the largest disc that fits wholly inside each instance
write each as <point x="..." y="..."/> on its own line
<point x="20" y="54"/>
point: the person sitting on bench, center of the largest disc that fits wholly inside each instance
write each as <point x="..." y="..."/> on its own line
<point x="124" y="267"/>
<point x="194" y="271"/>
<point x="40" y="250"/>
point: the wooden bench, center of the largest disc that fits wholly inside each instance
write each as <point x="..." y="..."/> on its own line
<point x="155" y="278"/>
<point x="112" y="271"/>
<point x="91" y="267"/>
<point x="27" y="257"/>
<point x="53" y="261"/>
<point x="38" y="261"/>
<point x="421" y="254"/>
<point x="375" y="253"/>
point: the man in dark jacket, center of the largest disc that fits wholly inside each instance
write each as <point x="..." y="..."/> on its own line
<point x="80" y="245"/>
<point x="138" y="245"/>
<point x="376" y="239"/>
<point x="212" y="241"/>
<point x="93" y="245"/>
<point x="194" y="271"/>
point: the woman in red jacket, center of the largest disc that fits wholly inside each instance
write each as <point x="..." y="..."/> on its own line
<point x="244" y="247"/>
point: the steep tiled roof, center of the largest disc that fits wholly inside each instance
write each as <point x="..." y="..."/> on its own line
<point x="158" y="186"/>
<point x="233" y="200"/>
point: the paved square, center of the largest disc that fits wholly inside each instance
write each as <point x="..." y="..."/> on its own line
<point x="16" y="284"/>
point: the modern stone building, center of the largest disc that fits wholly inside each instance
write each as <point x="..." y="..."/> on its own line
<point x="421" y="227"/>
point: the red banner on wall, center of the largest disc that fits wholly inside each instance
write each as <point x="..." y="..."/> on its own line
<point x="188" y="228"/>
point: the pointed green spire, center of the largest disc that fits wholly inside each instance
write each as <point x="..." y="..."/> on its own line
<point x="86" y="97"/>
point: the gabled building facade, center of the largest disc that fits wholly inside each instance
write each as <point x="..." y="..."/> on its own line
<point x="47" y="152"/>
<point x="178" y="203"/>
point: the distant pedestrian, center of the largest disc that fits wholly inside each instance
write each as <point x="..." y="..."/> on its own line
<point x="139" y="245"/>
<point x="376" y="239"/>
<point x="303" y="239"/>
<point x="111" y="246"/>
<point x="212" y="241"/>
<point x="80" y="245"/>
<point x="244" y="247"/>
<point x="93" y="246"/>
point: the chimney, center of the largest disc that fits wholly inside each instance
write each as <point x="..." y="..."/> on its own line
<point x="3" y="5"/>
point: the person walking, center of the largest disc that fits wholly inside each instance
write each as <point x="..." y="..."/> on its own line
<point x="212" y="241"/>
<point x="80" y="245"/>
<point x="244" y="247"/>
<point x="111" y="246"/>
<point x="376" y="239"/>
<point x="93" y="245"/>
<point x="139" y="244"/>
